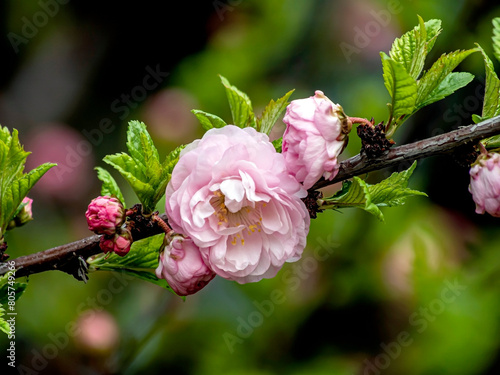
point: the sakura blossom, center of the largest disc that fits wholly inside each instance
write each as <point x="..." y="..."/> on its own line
<point x="232" y="194"/>
<point x="316" y="133"/>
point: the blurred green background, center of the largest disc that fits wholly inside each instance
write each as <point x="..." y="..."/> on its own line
<point x="417" y="294"/>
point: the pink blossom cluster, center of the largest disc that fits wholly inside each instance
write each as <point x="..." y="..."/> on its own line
<point x="236" y="203"/>
<point x="106" y="215"/>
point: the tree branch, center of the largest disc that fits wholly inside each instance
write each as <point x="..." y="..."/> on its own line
<point x="440" y="144"/>
<point x="68" y="258"/>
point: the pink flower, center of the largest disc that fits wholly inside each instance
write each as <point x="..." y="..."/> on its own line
<point x="232" y="195"/>
<point x="485" y="184"/>
<point x="104" y="215"/>
<point x="182" y="266"/>
<point x="118" y="243"/>
<point x="315" y="135"/>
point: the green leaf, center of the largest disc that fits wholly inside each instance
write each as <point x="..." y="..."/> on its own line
<point x="141" y="261"/>
<point x="410" y="50"/>
<point x="208" y="120"/>
<point x="12" y="158"/>
<point x="144" y="155"/>
<point x="390" y="192"/>
<point x="356" y="193"/>
<point x="14" y="184"/>
<point x="438" y="72"/>
<point x="7" y="286"/>
<point x="143" y="255"/>
<point x="401" y="86"/>
<point x="448" y="86"/>
<point x="272" y="113"/>
<point x="172" y="159"/>
<point x="109" y="185"/>
<point x="492" y="142"/>
<point x="142" y="168"/>
<point x="278" y="144"/>
<point x="4" y="326"/>
<point x="433" y="29"/>
<point x="134" y="175"/>
<point x="141" y="147"/>
<point x="126" y="165"/>
<point x="496" y="37"/>
<point x="394" y="190"/>
<point x="240" y="105"/>
<point x="491" y="101"/>
<point x="13" y="195"/>
<point x="477" y="119"/>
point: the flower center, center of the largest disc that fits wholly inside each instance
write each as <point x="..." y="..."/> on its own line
<point x="248" y="219"/>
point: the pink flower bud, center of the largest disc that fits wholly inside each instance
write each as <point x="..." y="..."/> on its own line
<point x="26" y="211"/>
<point x="182" y="266"/>
<point x="315" y="135"/>
<point x="23" y="216"/>
<point x="118" y="243"/>
<point x="104" y="215"/>
<point x="485" y="183"/>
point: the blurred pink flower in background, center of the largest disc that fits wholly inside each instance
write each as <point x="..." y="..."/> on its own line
<point x="58" y="143"/>
<point x="98" y="332"/>
<point x="168" y="115"/>
<point x="370" y="27"/>
<point x="232" y="195"/>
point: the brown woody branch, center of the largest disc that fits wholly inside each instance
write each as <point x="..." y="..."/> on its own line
<point x="69" y="258"/>
<point x="404" y="155"/>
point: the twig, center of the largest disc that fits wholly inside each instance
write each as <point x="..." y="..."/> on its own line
<point x="440" y="144"/>
<point x="67" y="258"/>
